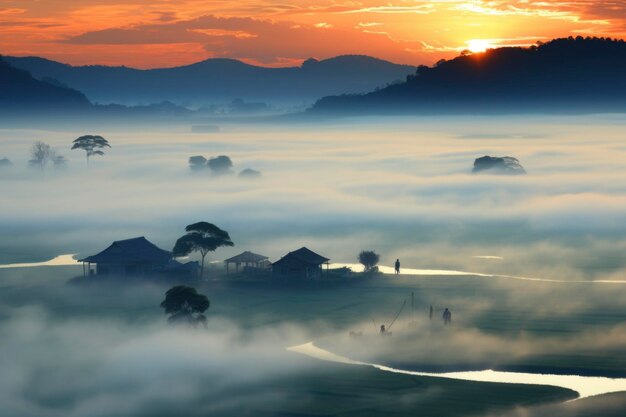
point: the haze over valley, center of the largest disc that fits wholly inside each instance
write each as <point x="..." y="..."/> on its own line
<point x="427" y="217"/>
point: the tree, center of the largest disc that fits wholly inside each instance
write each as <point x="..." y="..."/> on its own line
<point x="59" y="161"/>
<point x="369" y="259"/>
<point x="197" y="162"/>
<point x="40" y="154"/>
<point x="91" y="144"/>
<point x="201" y="237"/>
<point x="220" y="165"/>
<point x="249" y="173"/>
<point x="185" y="305"/>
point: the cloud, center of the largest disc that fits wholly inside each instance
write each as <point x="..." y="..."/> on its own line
<point x="141" y="33"/>
<point x="253" y="40"/>
<point x="108" y="366"/>
<point x="401" y="187"/>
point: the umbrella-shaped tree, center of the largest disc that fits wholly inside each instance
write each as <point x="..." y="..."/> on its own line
<point x="201" y="237"/>
<point x="91" y="144"/>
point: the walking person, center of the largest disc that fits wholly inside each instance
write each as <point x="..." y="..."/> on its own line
<point x="397" y="265"/>
<point x="447" y="316"/>
<point x="430" y="313"/>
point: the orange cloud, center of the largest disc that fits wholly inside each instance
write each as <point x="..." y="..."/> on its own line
<point x="278" y="32"/>
<point x="253" y="40"/>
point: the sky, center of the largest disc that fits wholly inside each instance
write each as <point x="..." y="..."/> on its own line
<point x="162" y="33"/>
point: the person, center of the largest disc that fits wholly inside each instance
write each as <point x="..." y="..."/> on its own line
<point x="397" y="266"/>
<point x="447" y="316"/>
<point x="430" y="314"/>
<point x="382" y="329"/>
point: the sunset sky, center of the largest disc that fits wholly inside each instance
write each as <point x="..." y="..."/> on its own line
<point x="160" y="33"/>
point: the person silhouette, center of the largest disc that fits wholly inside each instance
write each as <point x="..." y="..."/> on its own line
<point x="430" y="313"/>
<point x="397" y="265"/>
<point x="447" y="316"/>
<point x="382" y="329"/>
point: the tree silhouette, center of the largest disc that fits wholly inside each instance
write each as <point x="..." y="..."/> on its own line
<point x="40" y="154"/>
<point x="185" y="305"/>
<point x="91" y="144"/>
<point x="369" y="259"/>
<point x="201" y="237"/>
<point x="59" y="161"/>
<point x="197" y="162"/>
<point x="220" y="165"/>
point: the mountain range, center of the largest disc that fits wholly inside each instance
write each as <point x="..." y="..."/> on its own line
<point x="579" y="75"/>
<point x="561" y="76"/>
<point x="20" y="91"/>
<point x="216" y="81"/>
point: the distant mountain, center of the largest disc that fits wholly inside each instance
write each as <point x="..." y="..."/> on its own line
<point x="221" y="80"/>
<point x="564" y="75"/>
<point x="19" y="91"/>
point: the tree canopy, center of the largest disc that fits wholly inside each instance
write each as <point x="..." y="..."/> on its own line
<point x="40" y="154"/>
<point x="91" y="144"/>
<point x="220" y="165"/>
<point x="369" y="259"/>
<point x="201" y="237"/>
<point x="185" y="305"/>
<point x="197" y="162"/>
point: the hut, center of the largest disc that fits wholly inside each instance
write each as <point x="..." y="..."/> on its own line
<point x="136" y="257"/>
<point x="300" y="264"/>
<point x="249" y="260"/>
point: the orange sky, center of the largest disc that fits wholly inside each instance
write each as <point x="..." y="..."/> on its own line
<point x="159" y="33"/>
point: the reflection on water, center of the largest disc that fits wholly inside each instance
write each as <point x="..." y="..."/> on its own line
<point x="433" y="272"/>
<point x="68" y="260"/>
<point x="585" y="386"/>
<point x="408" y="271"/>
<point x="61" y="260"/>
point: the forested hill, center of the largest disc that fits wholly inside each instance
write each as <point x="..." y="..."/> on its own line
<point x="220" y="80"/>
<point x="19" y="91"/>
<point x="563" y="75"/>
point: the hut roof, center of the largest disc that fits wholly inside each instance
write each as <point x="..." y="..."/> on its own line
<point x="305" y="256"/>
<point x="247" y="256"/>
<point x="138" y="249"/>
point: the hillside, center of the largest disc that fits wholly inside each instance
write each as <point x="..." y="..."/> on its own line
<point x="20" y="91"/>
<point x="564" y="75"/>
<point x="221" y="80"/>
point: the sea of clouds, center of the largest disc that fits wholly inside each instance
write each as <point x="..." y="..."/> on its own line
<point x="400" y="186"/>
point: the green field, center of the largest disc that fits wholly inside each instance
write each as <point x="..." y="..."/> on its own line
<point x="497" y="323"/>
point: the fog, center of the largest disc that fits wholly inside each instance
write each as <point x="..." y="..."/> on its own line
<point x="105" y="350"/>
<point x="400" y="186"/>
<point x="107" y="367"/>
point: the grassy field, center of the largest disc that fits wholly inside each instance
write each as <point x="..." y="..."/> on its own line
<point x="496" y="323"/>
<point x="345" y="390"/>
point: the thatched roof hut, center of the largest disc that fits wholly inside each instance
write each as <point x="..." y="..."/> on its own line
<point x="248" y="260"/>
<point x="302" y="263"/>
<point x="136" y="256"/>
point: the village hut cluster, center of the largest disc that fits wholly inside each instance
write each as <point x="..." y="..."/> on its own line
<point x="136" y="257"/>
<point x="139" y="257"/>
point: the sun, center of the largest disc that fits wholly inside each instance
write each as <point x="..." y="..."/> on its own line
<point x="479" y="45"/>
